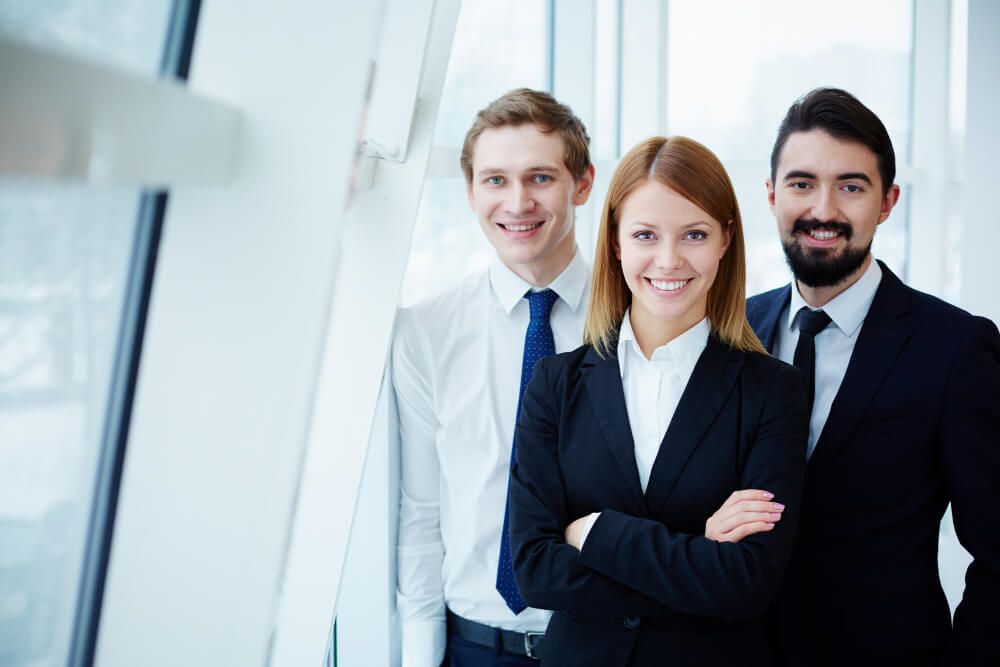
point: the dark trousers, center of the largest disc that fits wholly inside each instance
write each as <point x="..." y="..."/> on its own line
<point x="461" y="653"/>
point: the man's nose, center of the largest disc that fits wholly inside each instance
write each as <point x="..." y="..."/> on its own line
<point x="520" y="199"/>
<point x="825" y="205"/>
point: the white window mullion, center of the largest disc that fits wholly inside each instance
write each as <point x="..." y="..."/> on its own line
<point x="925" y="259"/>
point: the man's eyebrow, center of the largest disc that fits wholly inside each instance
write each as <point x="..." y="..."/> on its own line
<point x="798" y="173"/>
<point x="531" y="169"/>
<point x="855" y="175"/>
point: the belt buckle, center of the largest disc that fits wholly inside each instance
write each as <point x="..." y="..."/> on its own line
<point x="528" y="648"/>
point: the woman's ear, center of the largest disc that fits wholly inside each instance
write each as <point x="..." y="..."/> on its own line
<point x="727" y="235"/>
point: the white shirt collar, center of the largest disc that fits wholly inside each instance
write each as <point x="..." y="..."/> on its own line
<point x="683" y="351"/>
<point x="849" y="308"/>
<point x="510" y="288"/>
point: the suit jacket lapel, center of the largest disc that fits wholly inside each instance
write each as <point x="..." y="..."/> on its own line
<point x="766" y="323"/>
<point x="706" y="392"/>
<point x="883" y="334"/>
<point x="603" y="380"/>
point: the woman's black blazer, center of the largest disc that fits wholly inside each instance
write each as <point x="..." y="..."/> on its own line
<point x="648" y="588"/>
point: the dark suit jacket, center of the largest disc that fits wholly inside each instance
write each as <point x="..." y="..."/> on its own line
<point x="648" y="587"/>
<point x="915" y="424"/>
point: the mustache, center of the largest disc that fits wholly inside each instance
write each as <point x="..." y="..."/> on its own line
<point x="809" y="224"/>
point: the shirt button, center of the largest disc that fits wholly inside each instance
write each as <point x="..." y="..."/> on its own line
<point x="631" y="622"/>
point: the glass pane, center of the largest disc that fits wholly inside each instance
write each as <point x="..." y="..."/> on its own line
<point x="497" y="47"/>
<point x="129" y="33"/>
<point x="731" y="81"/>
<point x="447" y="243"/>
<point x="64" y="259"/>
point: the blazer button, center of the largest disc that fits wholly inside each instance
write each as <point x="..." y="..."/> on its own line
<point x="631" y="622"/>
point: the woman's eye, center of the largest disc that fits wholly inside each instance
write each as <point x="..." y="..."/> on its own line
<point x="495" y="180"/>
<point x="696" y="235"/>
<point x="643" y="236"/>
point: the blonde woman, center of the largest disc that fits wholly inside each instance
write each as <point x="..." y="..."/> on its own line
<point x="628" y="444"/>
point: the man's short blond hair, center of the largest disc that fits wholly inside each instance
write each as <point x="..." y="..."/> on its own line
<point x="521" y="106"/>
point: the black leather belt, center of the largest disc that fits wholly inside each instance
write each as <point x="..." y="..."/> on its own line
<point x="522" y="643"/>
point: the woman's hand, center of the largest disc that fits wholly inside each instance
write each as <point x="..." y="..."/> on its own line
<point x="574" y="532"/>
<point x="744" y="513"/>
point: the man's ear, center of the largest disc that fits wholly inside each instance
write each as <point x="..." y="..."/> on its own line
<point x="770" y="195"/>
<point x="583" y="186"/>
<point x="888" y="201"/>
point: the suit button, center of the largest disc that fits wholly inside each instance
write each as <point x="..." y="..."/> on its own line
<point x="631" y="622"/>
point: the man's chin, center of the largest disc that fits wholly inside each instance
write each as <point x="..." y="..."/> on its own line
<point x="823" y="267"/>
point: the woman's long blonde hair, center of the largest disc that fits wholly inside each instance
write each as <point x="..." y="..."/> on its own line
<point x="694" y="172"/>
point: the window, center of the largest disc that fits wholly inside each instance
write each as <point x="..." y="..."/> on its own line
<point x="730" y="83"/>
<point x="72" y="269"/>
<point x="496" y="48"/>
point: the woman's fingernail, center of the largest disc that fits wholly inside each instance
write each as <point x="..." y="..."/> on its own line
<point x="770" y="525"/>
<point x="768" y="495"/>
<point x="779" y="506"/>
<point x="776" y="515"/>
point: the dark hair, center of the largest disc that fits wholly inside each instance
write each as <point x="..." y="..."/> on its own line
<point x="522" y="106"/>
<point x="841" y="115"/>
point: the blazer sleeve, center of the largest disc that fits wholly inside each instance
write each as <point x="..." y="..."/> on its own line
<point x="696" y="575"/>
<point x="548" y="571"/>
<point x="970" y="448"/>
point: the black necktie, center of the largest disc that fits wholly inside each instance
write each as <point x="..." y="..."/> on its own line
<point x="811" y="322"/>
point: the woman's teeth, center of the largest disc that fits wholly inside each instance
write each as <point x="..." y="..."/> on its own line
<point x="668" y="285"/>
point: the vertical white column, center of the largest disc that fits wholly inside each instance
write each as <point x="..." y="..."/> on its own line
<point x="574" y="33"/>
<point x="927" y="206"/>
<point x="643" y="70"/>
<point x="375" y="243"/>
<point x="234" y="338"/>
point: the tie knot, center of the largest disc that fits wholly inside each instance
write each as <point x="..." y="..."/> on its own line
<point x="541" y="303"/>
<point x="812" y="321"/>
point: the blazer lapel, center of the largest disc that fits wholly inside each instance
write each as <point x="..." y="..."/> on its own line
<point x="706" y="392"/>
<point x="883" y="334"/>
<point x="765" y="317"/>
<point x="603" y="380"/>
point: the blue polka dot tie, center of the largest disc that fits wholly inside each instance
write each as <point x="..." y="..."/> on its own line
<point x="538" y="343"/>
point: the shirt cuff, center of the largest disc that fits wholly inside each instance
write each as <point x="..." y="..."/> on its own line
<point x="423" y="643"/>
<point x="587" y="526"/>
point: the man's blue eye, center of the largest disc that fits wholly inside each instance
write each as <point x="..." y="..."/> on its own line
<point x="800" y="185"/>
<point x="850" y="187"/>
<point x="543" y="178"/>
<point x="495" y="180"/>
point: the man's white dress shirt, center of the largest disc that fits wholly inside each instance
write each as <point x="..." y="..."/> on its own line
<point x="456" y="371"/>
<point x="834" y="344"/>
<point x="653" y="389"/>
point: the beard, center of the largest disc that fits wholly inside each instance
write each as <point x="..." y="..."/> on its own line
<point x="815" y="267"/>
